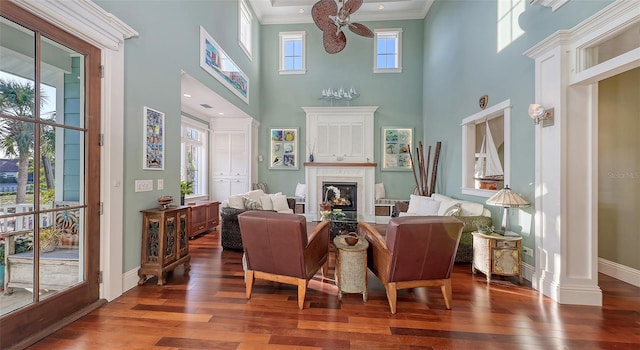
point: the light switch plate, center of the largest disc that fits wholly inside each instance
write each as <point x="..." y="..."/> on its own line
<point x="144" y="185"/>
<point x="160" y="184"/>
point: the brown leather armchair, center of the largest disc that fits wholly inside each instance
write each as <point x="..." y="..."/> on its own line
<point x="279" y="248"/>
<point x="418" y="251"/>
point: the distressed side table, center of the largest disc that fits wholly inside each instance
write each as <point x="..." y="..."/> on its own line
<point x="351" y="266"/>
<point x="497" y="254"/>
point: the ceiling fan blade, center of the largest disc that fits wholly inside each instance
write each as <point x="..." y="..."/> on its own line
<point x="361" y="29"/>
<point x="333" y="39"/>
<point x="352" y="6"/>
<point x="321" y="11"/>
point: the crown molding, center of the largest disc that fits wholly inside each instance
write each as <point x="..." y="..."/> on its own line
<point x="82" y="18"/>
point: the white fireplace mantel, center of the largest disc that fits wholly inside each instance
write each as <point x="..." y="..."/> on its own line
<point x="341" y="141"/>
<point x="363" y="174"/>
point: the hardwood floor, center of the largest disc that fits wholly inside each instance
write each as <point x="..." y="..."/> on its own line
<point x="208" y="310"/>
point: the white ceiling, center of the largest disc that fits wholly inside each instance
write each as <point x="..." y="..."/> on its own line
<point x="283" y="12"/>
<point x="287" y="11"/>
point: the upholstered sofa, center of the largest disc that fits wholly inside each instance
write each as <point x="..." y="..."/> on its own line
<point x="473" y="215"/>
<point x="230" y="209"/>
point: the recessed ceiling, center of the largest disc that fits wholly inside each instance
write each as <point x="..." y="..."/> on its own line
<point x="288" y="11"/>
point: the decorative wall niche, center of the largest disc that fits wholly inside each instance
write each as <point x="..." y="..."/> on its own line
<point x="499" y="120"/>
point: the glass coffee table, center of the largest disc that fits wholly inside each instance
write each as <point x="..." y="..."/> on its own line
<point x="343" y="222"/>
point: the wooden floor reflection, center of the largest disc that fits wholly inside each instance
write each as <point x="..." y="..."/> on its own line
<point x="208" y="310"/>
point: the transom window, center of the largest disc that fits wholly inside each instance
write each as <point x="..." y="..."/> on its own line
<point x="292" y="53"/>
<point x="387" y="51"/>
<point x="194" y="156"/>
<point x="244" y="31"/>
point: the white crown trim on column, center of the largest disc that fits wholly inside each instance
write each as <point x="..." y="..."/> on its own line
<point x="82" y="18"/>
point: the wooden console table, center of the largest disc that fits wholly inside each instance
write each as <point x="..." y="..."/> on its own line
<point x="165" y="243"/>
<point x="203" y="216"/>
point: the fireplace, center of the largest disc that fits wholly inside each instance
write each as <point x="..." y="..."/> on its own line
<point x="348" y="195"/>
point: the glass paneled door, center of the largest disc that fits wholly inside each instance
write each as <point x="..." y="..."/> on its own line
<point x="49" y="217"/>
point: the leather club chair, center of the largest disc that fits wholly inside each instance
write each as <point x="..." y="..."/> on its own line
<point x="418" y="251"/>
<point x="279" y="248"/>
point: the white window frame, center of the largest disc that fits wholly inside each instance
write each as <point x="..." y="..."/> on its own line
<point x="469" y="124"/>
<point x="203" y="173"/>
<point x="245" y="27"/>
<point x="284" y="36"/>
<point x="395" y="32"/>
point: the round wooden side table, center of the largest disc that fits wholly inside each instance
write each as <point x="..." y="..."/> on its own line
<point x="351" y="266"/>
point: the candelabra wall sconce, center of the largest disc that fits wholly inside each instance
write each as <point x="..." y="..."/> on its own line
<point x="538" y="113"/>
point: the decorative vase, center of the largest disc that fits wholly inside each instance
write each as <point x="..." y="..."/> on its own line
<point x="325" y="211"/>
<point x="325" y="206"/>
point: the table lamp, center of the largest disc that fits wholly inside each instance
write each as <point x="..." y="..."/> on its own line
<point x="507" y="198"/>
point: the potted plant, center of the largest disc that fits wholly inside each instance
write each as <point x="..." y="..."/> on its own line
<point x="50" y="238"/>
<point x="186" y="187"/>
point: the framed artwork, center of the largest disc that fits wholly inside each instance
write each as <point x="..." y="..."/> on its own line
<point x="396" y="144"/>
<point x="218" y="64"/>
<point x="153" y="147"/>
<point x="284" y="149"/>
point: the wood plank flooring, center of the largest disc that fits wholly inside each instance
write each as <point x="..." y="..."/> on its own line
<point x="208" y="310"/>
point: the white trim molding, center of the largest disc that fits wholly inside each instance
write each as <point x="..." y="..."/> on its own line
<point x="89" y="22"/>
<point x="618" y="271"/>
<point x="82" y="18"/>
<point x="554" y="4"/>
<point x="566" y="154"/>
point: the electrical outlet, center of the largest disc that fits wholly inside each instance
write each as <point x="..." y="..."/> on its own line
<point x="144" y="185"/>
<point x="527" y="251"/>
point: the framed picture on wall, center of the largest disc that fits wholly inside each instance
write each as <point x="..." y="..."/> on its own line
<point x="396" y="145"/>
<point x="153" y="147"/>
<point x="219" y="65"/>
<point x="284" y="149"/>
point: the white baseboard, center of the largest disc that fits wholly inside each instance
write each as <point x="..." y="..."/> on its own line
<point x="621" y="272"/>
<point x="130" y="279"/>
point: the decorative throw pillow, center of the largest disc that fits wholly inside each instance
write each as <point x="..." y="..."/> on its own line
<point x="422" y="205"/>
<point x="471" y="208"/>
<point x="279" y="202"/>
<point x="446" y="205"/>
<point x="260" y="186"/>
<point x="265" y="200"/>
<point x="380" y="191"/>
<point x="454" y="210"/>
<point x="250" y="204"/>
<point x="236" y="202"/>
<point x="255" y="194"/>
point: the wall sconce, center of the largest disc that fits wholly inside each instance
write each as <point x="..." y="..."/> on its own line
<point x="538" y="113"/>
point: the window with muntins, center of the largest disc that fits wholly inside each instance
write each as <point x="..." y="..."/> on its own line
<point x="194" y="156"/>
<point x="292" y="53"/>
<point x="244" y="31"/>
<point x="387" y="51"/>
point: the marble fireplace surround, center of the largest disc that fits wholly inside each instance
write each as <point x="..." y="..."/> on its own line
<point x="361" y="173"/>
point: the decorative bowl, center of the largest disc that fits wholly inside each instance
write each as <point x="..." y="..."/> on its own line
<point x="351" y="239"/>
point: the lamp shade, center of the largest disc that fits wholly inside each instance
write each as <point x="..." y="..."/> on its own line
<point x="507" y="198"/>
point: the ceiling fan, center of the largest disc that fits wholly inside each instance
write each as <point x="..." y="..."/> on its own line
<point x="330" y="20"/>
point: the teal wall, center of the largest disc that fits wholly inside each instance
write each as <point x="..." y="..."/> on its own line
<point x="398" y="95"/>
<point x="449" y="60"/>
<point x="71" y="171"/>
<point x="461" y="63"/>
<point x="168" y="43"/>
